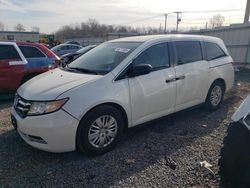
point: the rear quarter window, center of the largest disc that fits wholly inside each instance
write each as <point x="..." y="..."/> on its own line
<point x="213" y="51"/>
<point x="188" y="51"/>
<point x="31" y="52"/>
<point x="8" y="52"/>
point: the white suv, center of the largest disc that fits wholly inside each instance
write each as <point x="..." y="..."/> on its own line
<point x="119" y="84"/>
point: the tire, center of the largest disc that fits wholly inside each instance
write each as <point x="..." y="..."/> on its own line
<point x="216" y="89"/>
<point x="91" y="126"/>
<point x="234" y="163"/>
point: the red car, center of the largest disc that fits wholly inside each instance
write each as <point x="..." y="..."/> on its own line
<point x="21" y="61"/>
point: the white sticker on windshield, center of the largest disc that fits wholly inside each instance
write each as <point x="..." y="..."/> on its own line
<point x="122" y="50"/>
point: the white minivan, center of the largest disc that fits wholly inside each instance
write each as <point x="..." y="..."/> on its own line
<point x="88" y="104"/>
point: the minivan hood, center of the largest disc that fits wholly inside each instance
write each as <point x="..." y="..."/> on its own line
<point x="49" y="85"/>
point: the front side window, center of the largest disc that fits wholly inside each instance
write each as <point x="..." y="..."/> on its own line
<point x="31" y="52"/>
<point x="188" y="51"/>
<point x="104" y="58"/>
<point x="213" y="51"/>
<point x="157" y="56"/>
<point x="8" y="52"/>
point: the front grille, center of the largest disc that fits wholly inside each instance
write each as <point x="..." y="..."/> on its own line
<point x="22" y="106"/>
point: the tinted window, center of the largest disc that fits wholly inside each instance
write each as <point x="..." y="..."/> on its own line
<point x="8" y="52"/>
<point x="157" y="56"/>
<point x="188" y="51"/>
<point x="64" y="47"/>
<point x="31" y="52"/>
<point x="74" y="47"/>
<point x="213" y="51"/>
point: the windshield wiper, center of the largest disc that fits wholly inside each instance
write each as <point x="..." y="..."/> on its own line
<point x="82" y="70"/>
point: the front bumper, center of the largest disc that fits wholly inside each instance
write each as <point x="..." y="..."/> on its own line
<point x="54" y="132"/>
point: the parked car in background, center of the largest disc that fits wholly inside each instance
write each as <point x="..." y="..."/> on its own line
<point x="65" y="49"/>
<point x="21" y="61"/>
<point x="121" y="84"/>
<point x="73" y="42"/>
<point x="68" y="58"/>
<point x="235" y="155"/>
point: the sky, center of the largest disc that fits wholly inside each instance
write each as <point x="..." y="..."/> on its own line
<point x="50" y="15"/>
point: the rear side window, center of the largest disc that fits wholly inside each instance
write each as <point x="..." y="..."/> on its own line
<point x="188" y="51"/>
<point x="213" y="51"/>
<point x="64" y="47"/>
<point x="74" y="47"/>
<point x="31" y="52"/>
<point x="8" y="52"/>
<point x="157" y="56"/>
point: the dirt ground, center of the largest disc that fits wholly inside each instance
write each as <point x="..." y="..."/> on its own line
<point x="140" y="160"/>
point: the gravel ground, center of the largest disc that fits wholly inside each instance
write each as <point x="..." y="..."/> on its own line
<point x="140" y="160"/>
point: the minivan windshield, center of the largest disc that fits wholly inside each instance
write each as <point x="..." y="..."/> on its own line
<point x="104" y="58"/>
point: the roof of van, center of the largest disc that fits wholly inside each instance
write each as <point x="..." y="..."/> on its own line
<point x="167" y="36"/>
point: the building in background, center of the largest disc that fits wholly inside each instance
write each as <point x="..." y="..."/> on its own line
<point x="19" y="36"/>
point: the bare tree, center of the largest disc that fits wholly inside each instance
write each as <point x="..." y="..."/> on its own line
<point x="35" y="29"/>
<point x="217" y="21"/>
<point x="92" y="28"/>
<point x="19" y="27"/>
<point x="1" y="26"/>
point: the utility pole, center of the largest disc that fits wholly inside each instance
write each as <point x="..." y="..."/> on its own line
<point x="178" y="20"/>
<point x="166" y="18"/>
<point x="247" y="12"/>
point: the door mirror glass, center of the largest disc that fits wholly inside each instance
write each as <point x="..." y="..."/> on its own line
<point x="138" y="70"/>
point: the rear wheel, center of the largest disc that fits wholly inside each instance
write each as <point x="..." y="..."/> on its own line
<point x="234" y="163"/>
<point x="100" y="130"/>
<point x="215" y="96"/>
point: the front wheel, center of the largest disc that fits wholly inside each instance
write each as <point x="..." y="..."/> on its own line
<point x="100" y="130"/>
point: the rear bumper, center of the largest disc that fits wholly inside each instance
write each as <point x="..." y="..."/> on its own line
<point x="55" y="132"/>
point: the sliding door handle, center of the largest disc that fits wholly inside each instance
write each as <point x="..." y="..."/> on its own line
<point x="181" y="77"/>
<point x="170" y="80"/>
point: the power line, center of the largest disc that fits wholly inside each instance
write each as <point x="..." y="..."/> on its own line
<point x="208" y="11"/>
<point x="178" y="19"/>
<point x="141" y="20"/>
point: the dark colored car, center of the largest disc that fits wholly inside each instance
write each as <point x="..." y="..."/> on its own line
<point x="235" y="155"/>
<point x="68" y="58"/>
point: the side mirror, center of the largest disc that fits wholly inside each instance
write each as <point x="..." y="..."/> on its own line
<point x="139" y="70"/>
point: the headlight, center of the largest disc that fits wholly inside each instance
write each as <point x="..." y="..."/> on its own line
<point x="246" y="120"/>
<point x="39" y="108"/>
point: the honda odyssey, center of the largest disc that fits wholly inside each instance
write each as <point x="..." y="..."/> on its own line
<point x="88" y="104"/>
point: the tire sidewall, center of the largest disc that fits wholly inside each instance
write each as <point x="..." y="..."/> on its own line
<point x="82" y="133"/>
<point x="208" y="103"/>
